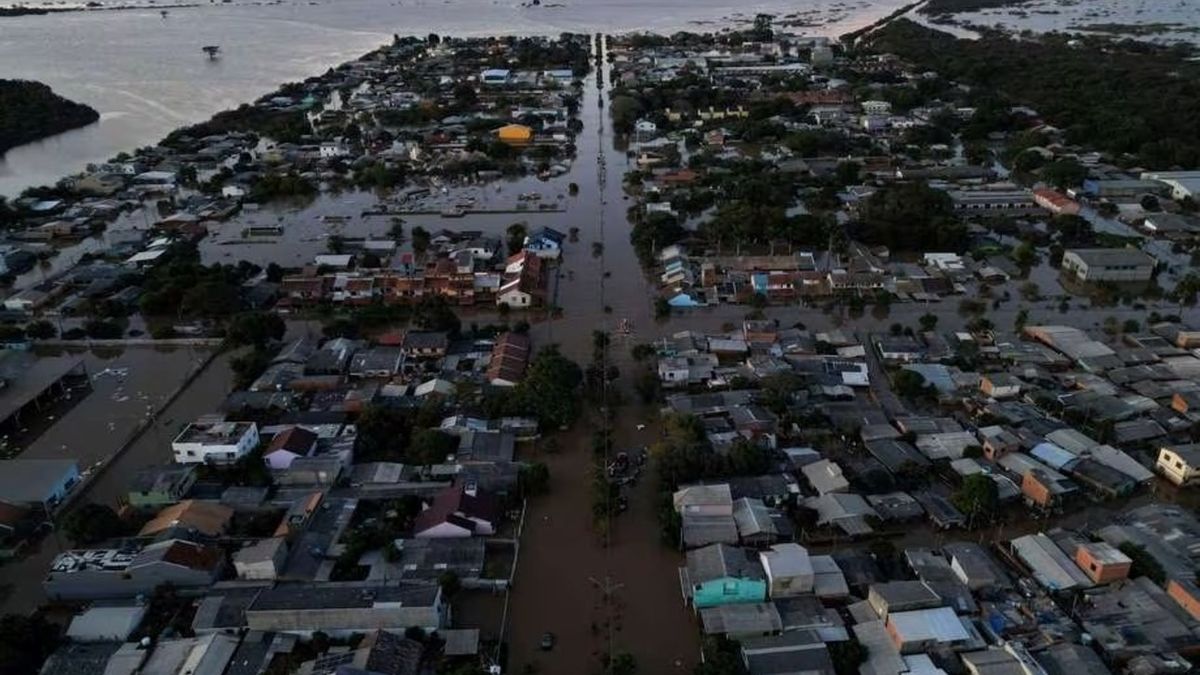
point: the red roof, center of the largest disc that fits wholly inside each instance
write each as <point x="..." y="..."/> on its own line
<point x="455" y="505"/>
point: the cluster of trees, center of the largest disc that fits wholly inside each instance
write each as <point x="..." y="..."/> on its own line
<point x="908" y="215"/>
<point x="1097" y="93"/>
<point x="276" y="185"/>
<point x="30" y="111"/>
<point x="25" y="643"/>
<point x="181" y="286"/>
<point x="978" y="498"/>
<point x="684" y="455"/>
<point x="549" y="392"/>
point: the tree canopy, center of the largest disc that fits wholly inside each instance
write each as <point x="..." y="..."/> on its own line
<point x="1098" y="92"/>
<point x="906" y="216"/>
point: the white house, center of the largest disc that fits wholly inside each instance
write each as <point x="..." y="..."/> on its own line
<point x="788" y="569"/>
<point x="332" y="149"/>
<point x="545" y="243"/>
<point x="214" y="442"/>
<point x="1179" y="464"/>
<point x="877" y="107"/>
<point x="456" y="512"/>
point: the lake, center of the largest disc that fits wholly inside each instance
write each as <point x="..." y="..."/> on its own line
<point x="146" y="73"/>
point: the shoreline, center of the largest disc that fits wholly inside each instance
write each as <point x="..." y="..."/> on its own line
<point x="38" y="166"/>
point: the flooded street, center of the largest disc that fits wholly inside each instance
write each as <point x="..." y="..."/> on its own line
<point x="565" y="569"/>
<point x="126" y="386"/>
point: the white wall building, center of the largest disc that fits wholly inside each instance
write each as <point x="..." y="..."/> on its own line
<point x="214" y="442"/>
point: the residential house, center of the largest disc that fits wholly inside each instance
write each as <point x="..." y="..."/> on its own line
<point x="525" y="288"/>
<point x="262" y="560"/>
<point x="37" y="483"/>
<point x="159" y="486"/>
<point x="1102" y="562"/>
<point x="340" y="609"/>
<point x="189" y="519"/>
<point x="1000" y="386"/>
<point x="926" y="630"/>
<point x="1108" y="264"/>
<point x="788" y="569"/>
<point x="288" y="445"/>
<point x="424" y="345"/>
<point x="825" y="477"/>
<point x="719" y="574"/>
<point x="214" y="441"/>
<point x="94" y="574"/>
<point x="459" y="511"/>
<point x="509" y="359"/>
<point x="1179" y="464"/>
<point x="545" y="242"/>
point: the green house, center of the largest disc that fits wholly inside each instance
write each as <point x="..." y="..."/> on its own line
<point x="157" y="486"/>
<point x="723" y="575"/>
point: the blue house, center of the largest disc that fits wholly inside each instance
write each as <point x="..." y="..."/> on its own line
<point x="723" y="575"/>
<point x="545" y="242"/>
<point x="37" y="483"/>
<point x="683" y="300"/>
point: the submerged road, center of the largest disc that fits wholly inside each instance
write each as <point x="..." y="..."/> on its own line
<point x="601" y="595"/>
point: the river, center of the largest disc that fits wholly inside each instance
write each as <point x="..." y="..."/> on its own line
<point x="146" y="74"/>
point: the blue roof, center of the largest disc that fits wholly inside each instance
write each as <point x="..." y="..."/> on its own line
<point x="549" y="233"/>
<point x="759" y="281"/>
<point x="683" y="300"/>
<point x="1052" y="455"/>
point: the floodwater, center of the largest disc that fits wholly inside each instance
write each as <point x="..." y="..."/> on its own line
<point x="146" y="73"/>
<point x="127" y="385"/>
<point x="565" y="571"/>
<point x="1161" y="21"/>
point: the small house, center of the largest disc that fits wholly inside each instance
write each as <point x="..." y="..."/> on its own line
<point x="720" y="574"/>
<point x="1102" y="562"/>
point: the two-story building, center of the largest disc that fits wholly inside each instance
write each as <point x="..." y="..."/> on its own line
<point x="214" y="441"/>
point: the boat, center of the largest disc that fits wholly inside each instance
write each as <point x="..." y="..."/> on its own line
<point x="453" y="212"/>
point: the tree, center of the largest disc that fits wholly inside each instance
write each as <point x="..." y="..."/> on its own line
<point x="1144" y="564"/>
<point x="516" y="237"/>
<point x="1020" y="320"/>
<point x="433" y="313"/>
<point x="383" y="434"/>
<point x="430" y="446"/>
<point x="1064" y="173"/>
<point x="420" y="240"/>
<point x="41" y="330"/>
<point x="911" y="385"/>
<point x="534" y="479"/>
<point x="1025" y="255"/>
<point x="978" y="497"/>
<point x="255" y="328"/>
<point x="450" y="584"/>
<point x="25" y="643"/>
<point x="93" y="523"/>
<point x="622" y="663"/>
<point x="847" y="656"/>
<point x="662" y="308"/>
<point x="928" y="322"/>
<point x="549" y="390"/>
<point x="908" y="216"/>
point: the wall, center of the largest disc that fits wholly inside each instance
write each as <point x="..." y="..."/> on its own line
<point x="729" y="591"/>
